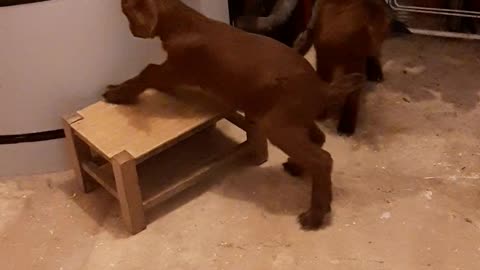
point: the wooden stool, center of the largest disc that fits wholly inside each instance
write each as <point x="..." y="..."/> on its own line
<point x="124" y="136"/>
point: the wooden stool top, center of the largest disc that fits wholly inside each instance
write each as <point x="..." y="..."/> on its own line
<point x="157" y="122"/>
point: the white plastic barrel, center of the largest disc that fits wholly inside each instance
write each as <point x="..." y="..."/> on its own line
<point x="56" y="57"/>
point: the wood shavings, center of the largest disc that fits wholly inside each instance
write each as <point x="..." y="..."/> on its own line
<point x="414" y="70"/>
<point x="386" y="216"/>
<point x="428" y="194"/>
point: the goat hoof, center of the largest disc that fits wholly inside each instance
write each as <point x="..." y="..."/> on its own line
<point x="374" y="70"/>
<point x="116" y="95"/>
<point x="311" y="220"/>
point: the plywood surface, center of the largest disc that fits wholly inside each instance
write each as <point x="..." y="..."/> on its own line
<point x="156" y="122"/>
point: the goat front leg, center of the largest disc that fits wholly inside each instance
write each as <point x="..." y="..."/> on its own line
<point x="374" y="70"/>
<point x="348" y="118"/>
<point x="161" y="77"/>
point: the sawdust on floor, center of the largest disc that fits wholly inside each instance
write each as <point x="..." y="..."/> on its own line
<point x="406" y="187"/>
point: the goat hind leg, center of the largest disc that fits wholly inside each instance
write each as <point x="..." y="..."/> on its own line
<point x="348" y="119"/>
<point x="316" y="136"/>
<point x="374" y="70"/>
<point x="294" y="142"/>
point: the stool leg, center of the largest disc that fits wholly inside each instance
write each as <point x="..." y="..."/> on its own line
<point x="79" y="152"/>
<point x="129" y="193"/>
<point x="211" y="127"/>
<point x="257" y="140"/>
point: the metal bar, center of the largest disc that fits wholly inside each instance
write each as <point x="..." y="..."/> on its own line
<point x="103" y="175"/>
<point x="396" y="6"/>
<point x="438" y="11"/>
<point x="444" y="34"/>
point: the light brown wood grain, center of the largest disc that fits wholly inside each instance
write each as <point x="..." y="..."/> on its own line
<point x="128" y="190"/>
<point x="156" y="123"/>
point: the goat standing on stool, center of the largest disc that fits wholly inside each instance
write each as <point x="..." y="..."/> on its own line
<point x="275" y="86"/>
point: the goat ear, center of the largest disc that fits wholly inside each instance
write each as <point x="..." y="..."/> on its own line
<point x="143" y="16"/>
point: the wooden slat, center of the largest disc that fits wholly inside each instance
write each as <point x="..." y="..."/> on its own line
<point x="167" y="144"/>
<point x="103" y="175"/>
<point x="157" y="122"/>
<point x="238" y="120"/>
<point x="129" y="193"/>
<point x="78" y="152"/>
<point x="193" y="178"/>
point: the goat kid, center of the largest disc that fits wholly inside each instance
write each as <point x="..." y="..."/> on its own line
<point x="275" y="86"/>
<point x="348" y="37"/>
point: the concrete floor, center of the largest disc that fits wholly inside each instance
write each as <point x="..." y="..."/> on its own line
<point x="407" y="192"/>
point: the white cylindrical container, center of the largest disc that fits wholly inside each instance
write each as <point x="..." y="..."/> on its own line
<point x="56" y="57"/>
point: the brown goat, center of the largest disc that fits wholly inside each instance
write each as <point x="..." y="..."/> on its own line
<point x="271" y="83"/>
<point x="348" y="36"/>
